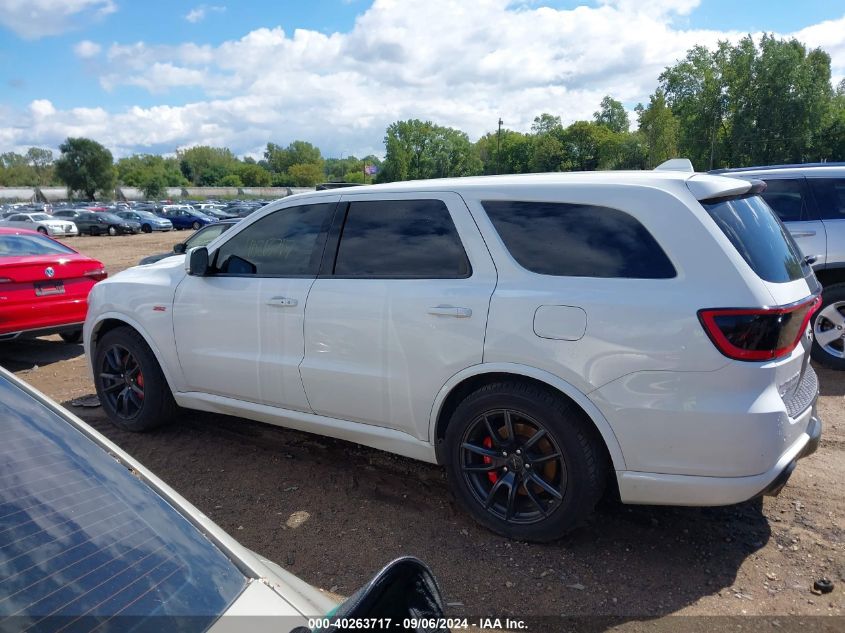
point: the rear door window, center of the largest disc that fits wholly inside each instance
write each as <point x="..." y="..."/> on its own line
<point x="830" y="197"/>
<point x="407" y="239"/>
<point x="756" y="233"/>
<point x="789" y="198"/>
<point x="578" y="240"/>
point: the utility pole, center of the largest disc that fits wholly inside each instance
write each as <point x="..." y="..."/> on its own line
<point x="498" y="146"/>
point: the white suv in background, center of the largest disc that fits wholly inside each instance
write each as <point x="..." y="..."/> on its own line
<point x="538" y="335"/>
<point x="810" y="200"/>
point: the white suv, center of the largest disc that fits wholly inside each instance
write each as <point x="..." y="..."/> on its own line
<point x="539" y="335"/>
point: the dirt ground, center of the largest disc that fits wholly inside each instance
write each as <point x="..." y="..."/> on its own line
<point x="356" y="508"/>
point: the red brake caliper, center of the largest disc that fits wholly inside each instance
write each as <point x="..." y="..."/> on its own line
<point x="140" y="382"/>
<point x="488" y="443"/>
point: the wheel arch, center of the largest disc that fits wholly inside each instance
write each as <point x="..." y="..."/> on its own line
<point x="831" y="276"/>
<point x="110" y="321"/>
<point x="465" y="382"/>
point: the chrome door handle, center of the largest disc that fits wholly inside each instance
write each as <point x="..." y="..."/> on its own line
<point x="452" y="311"/>
<point x="282" y="302"/>
<point x="802" y="233"/>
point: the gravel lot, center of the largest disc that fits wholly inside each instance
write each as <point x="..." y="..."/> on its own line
<point x="334" y="512"/>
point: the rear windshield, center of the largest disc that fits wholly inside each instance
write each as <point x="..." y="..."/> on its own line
<point x="24" y="245"/>
<point x="83" y="537"/>
<point x="756" y="232"/>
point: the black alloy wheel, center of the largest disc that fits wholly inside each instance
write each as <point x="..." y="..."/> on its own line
<point x="513" y="466"/>
<point x="122" y="382"/>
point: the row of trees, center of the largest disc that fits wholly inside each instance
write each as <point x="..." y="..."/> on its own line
<point x="740" y="104"/>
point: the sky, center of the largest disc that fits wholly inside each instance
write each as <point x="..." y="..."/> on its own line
<point x="154" y="76"/>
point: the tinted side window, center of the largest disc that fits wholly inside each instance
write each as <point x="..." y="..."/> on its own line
<point x="577" y="240"/>
<point x="788" y="198"/>
<point x="400" y="239"/>
<point x="830" y="197"/>
<point x="284" y="243"/>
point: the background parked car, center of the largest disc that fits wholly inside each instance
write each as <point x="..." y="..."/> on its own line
<point x="149" y="221"/>
<point x="185" y="217"/>
<point x="810" y="200"/>
<point x="41" y="222"/>
<point x="45" y="286"/>
<point x="203" y="237"/>
<point x="99" y="223"/>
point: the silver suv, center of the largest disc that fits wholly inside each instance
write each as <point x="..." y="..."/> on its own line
<point x="810" y="199"/>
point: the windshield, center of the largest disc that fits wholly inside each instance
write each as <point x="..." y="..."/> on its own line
<point x="40" y="216"/>
<point x="24" y="245"/>
<point x="109" y="217"/>
<point x="84" y="535"/>
<point x="760" y="237"/>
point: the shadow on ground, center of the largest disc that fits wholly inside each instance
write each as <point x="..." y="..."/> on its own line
<point x="24" y="354"/>
<point x="365" y="507"/>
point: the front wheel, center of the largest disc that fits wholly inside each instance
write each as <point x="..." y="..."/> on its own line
<point x="112" y="231"/>
<point x="42" y="230"/>
<point x="196" y="225"/>
<point x="523" y="461"/>
<point x="829" y="329"/>
<point x="129" y="381"/>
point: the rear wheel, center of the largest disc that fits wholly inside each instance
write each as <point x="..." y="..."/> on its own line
<point x="146" y="228"/>
<point x="196" y="226"/>
<point x="42" y="230"/>
<point x="112" y="230"/>
<point x="523" y="461"/>
<point x="130" y="384"/>
<point x="73" y="336"/>
<point x="829" y="329"/>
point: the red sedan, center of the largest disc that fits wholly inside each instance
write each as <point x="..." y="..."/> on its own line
<point x="44" y="286"/>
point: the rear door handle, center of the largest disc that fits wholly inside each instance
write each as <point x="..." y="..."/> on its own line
<point x="452" y="311"/>
<point x="282" y="302"/>
<point x="802" y="233"/>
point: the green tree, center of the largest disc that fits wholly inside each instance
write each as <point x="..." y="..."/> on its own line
<point x="231" y="180"/>
<point x="305" y="174"/>
<point x="280" y="159"/>
<point x="253" y="175"/>
<point x="420" y="149"/>
<point x="659" y="128"/>
<point x="206" y="166"/>
<point x="612" y="115"/>
<point x="546" y="124"/>
<point x="41" y="162"/>
<point x="154" y="185"/>
<point x="509" y="153"/>
<point x="86" y="166"/>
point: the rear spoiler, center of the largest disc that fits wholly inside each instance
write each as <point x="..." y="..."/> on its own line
<point x="711" y="187"/>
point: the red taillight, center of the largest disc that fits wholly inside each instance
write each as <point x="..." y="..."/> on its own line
<point x="756" y="334"/>
<point x="98" y="274"/>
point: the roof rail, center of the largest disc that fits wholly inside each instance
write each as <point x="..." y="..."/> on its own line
<point x="676" y="164"/>
<point x="787" y="166"/>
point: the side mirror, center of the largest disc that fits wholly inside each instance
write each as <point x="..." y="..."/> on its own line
<point x="196" y="261"/>
<point x="179" y="248"/>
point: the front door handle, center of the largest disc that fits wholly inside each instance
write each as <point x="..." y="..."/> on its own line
<point x="282" y="302"/>
<point x="802" y="233"/>
<point x="452" y="311"/>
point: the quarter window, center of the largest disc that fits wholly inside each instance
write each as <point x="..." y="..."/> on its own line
<point x="285" y="243"/>
<point x="400" y="239"/>
<point x="788" y="198"/>
<point x="578" y="240"/>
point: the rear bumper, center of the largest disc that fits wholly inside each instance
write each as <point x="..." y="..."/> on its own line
<point x="687" y="490"/>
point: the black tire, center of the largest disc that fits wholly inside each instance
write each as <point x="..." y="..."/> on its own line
<point x="833" y="298"/>
<point x="112" y="230"/>
<point x="196" y="226"/>
<point x="578" y="476"/>
<point x="146" y="228"/>
<point x="73" y="336"/>
<point x="157" y="406"/>
<point x="42" y="230"/>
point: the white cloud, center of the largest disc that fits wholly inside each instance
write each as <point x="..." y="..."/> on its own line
<point x="198" y="14"/>
<point x="33" y="19"/>
<point x="86" y="49"/>
<point x="458" y="64"/>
